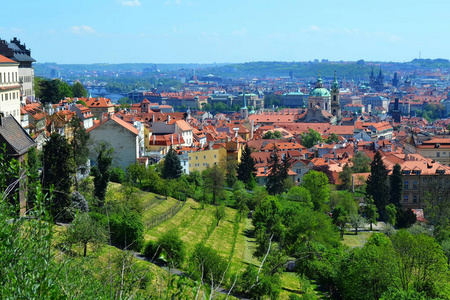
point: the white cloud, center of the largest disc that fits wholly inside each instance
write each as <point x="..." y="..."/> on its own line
<point x="130" y="3"/>
<point x="240" y="32"/>
<point x="314" y="28"/>
<point x="82" y="29"/>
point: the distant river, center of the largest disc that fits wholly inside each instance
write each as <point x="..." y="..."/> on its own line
<point x="104" y="93"/>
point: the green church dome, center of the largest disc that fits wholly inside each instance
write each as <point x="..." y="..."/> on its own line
<point x="319" y="92"/>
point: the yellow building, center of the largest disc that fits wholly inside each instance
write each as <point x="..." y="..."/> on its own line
<point x="201" y="160"/>
<point x="234" y="149"/>
<point x="437" y="149"/>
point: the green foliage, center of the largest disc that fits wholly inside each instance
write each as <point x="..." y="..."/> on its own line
<point x="58" y="171"/>
<point x="126" y="229"/>
<point x="84" y="230"/>
<point x="220" y="213"/>
<point x="207" y="265"/>
<point x="332" y="138"/>
<point x="391" y="213"/>
<point x="53" y="91"/>
<point x="79" y="145"/>
<point x="396" y="186"/>
<point x="300" y="194"/>
<point x="311" y="138"/>
<point x="78" y="90"/>
<point x="317" y="185"/>
<point x="172" y="166"/>
<point x="271" y="135"/>
<point x="361" y="163"/>
<point x="214" y="179"/>
<point x="172" y="247"/>
<point x="117" y="175"/>
<point x="101" y="171"/>
<point x="277" y="173"/>
<point x="346" y="178"/>
<point x="371" y="211"/>
<point x="272" y="100"/>
<point x="255" y="284"/>
<point x="377" y="185"/>
<point x="246" y="168"/>
<point x="231" y="178"/>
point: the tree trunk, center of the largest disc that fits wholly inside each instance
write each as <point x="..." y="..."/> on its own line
<point x="370" y="226"/>
<point x="356" y="230"/>
<point x="85" y="249"/>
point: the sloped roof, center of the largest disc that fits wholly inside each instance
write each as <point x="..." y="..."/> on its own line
<point x="17" y="139"/>
<point x="118" y="121"/>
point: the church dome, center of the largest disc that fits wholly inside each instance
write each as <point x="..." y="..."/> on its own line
<point x="319" y="92"/>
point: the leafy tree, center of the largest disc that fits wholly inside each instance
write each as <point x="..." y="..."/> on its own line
<point x="173" y="247"/>
<point x="396" y="186"/>
<point x="345" y="177"/>
<point x="214" y="179"/>
<point x="371" y="211"/>
<point x="437" y="204"/>
<point x="317" y="185"/>
<point x="54" y="90"/>
<point x="356" y="221"/>
<point x="246" y="168"/>
<point x="340" y="218"/>
<point x="311" y="138"/>
<point x="208" y="265"/>
<point x="271" y="135"/>
<point x="332" y="138"/>
<point x="78" y="90"/>
<point x="137" y="172"/>
<point x="231" y="177"/>
<point x="391" y="213"/>
<point x="117" y="175"/>
<point x="85" y="230"/>
<point x="33" y="173"/>
<point x="300" y="194"/>
<point x="79" y="145"/>
<point x="102" y="171"/>
<point x="241" y="197"/>
<point x="377" y="185"/>
<point x="220" y="213"/>
<point x="361" y="163"/>
<point x="172" y="168"/>
<point x="58" y="170"/>
<point x="326" y="170"/>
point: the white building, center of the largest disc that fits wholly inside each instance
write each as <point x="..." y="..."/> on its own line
<point x="121" y="136"/>
<point x="9" y="88"/>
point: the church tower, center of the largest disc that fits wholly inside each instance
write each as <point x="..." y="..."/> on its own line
<point x="335" y="102"/>
<point x="244" y="109"/>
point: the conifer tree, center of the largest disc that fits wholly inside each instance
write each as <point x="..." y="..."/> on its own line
<point x="246" y="168"/>
<point x="277" y="174"/>
<point x="102" y="171"/>
<point x="172" y="166"/>
<point x="396" y="186"/>
<point x="377" y="184"/>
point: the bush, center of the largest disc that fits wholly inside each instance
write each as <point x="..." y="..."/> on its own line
<point x="208" y="264"/>
<point x="127" y="229"/>
<point x="172" y="246"/>
<point x="151" y="250"/>
<point x="117" y="175"/>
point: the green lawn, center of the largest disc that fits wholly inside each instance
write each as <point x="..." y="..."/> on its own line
<point x="352" y="240"/>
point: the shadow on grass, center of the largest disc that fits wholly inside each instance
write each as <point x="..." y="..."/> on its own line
<point x="249" y="233"/>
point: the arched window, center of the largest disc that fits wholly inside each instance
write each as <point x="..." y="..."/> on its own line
<point x="334" y="97"/>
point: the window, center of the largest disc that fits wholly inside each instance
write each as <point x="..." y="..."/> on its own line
<point x="438" y="154"/>
<point x="196" y="157"/>
<point x="415" y="185"/>
<point x="204" y="156"/>
<point x="414" y="199"/>
<point x="190" y="158"/>
<point x="406" y="184"/>
<point x="405" y="199"/>
<point x="215" y="156"/>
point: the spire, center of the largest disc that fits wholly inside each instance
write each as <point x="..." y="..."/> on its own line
<point x="319" y="82"/>
<point x="243" y="96"/>
<point x="335" y="85"/>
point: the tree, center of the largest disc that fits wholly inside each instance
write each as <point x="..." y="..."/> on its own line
<point x="377" y="185"/>
<point x="220" y="213"/>
<point x="332" y="138"/>
<point x="58" y="170"/>
<point x="326" y="170"/>
<point x="360" y="163"/>
<point x="54" y="90"/>
<point x="208" y="265"/>
<point x="271" y="135"/>
<point x="231" y="177"/>
<point x="300" y="194"/>
<point x="33" y="173"/>
<point x="214" y="179"/>
<point x="396" y="186"/>
<point x="79" y="144"/>
<point x="371" y="211"/>
<point x="345" y="177"/>
<point x="391" y="212"/>
<point x="356" y="221"/>
<point x="276" y="175"/>
<point x="85" y="230"/>
<point x="246" y="168"/>
<point x="171" y="243"/>
<point x="78" y="90"/>
<point x="317" y="185"/>
<point x="172" y="168"/>
<point x="311" y="138"/>
<point x="102" y="171"/>
<point x="340" y="218"/>
<point x="437" y="204"/>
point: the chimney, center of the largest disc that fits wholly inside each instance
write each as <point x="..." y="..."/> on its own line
<point x="153" y="118"/>
<point x="252" y="129"/>
<point x="154" y="139"/>
<point x="171" y="139"/>
<point x="265" y="170"/>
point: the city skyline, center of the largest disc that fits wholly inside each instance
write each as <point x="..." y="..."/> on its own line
<point x="196" y="31"/>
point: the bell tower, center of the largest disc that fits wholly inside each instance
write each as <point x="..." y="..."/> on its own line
<point x="335" y="102"/>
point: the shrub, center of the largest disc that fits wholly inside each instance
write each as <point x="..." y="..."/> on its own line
<point x="127" y="229"/>
<point x="172" y="246"/>
<point x="151" y="250"/>
<point x="117" y="175"/>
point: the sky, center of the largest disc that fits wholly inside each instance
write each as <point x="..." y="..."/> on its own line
<point x="227" y="31"/>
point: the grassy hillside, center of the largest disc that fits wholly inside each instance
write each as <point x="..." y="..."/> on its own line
<point x="229" y="238"/>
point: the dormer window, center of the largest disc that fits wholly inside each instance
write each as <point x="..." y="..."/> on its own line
<point x="417" y="172"/>
<point x="406" y="172"/>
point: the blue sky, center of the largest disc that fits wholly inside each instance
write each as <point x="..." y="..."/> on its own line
<point x="206" y="31"/>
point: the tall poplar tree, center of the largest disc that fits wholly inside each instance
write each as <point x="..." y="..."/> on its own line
<point x="377" y="184"/>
